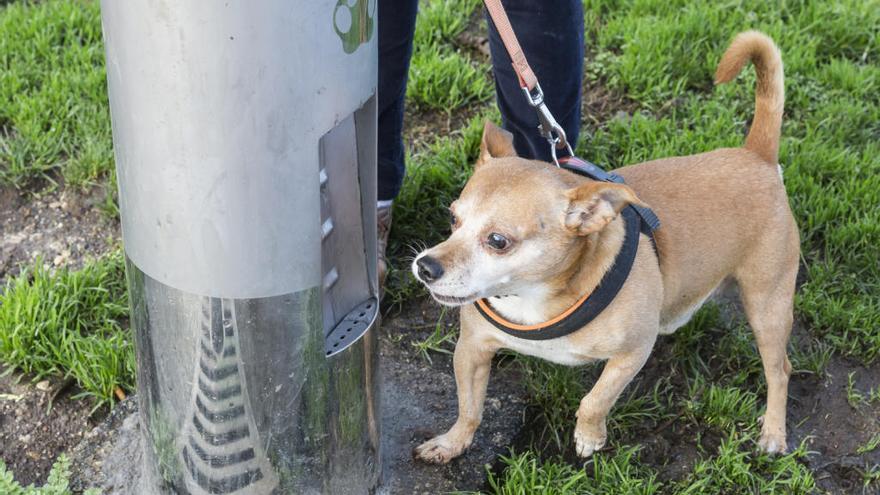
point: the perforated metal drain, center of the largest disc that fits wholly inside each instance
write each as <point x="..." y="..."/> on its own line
<point x="352" y="327"/>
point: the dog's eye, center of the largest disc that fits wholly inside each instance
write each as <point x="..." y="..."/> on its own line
<point x="453" y="220"/>
<point x="497" y="241"/>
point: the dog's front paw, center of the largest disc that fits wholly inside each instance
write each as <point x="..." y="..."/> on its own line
<point x="439" y="450"/>
<point x="589" y="439"/>
<point x="772" y="439"/>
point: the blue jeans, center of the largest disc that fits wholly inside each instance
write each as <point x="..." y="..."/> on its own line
<point x="551" y="33"/>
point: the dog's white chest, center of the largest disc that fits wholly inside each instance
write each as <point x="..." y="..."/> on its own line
<point x="559" y="350"/>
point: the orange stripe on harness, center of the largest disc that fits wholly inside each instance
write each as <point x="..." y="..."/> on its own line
<point x="489" y="312"/>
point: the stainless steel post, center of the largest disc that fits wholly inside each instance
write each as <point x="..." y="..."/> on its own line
<point x="245" y="138"/>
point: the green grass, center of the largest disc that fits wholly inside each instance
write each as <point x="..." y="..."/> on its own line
<point x="657" y="56"/>
<point x="441" y="22"/>
<point x="872" y="444"/>
<point x="714" y="364"/>
<point x="440" y="340"/>
<point x="68" y="323"/>
<point x="809" y="355"/>
<point x="556" y="391"/>
<point x="53" y="98"/>
<point x="733" y="469"/>
<point x="524" y="474"/>
<point x="441" y="76"/>
<point x="443" y="79"/>
<point x="722" y="407"/>
<point x="736" y="469"/>
<point x="871" y="478"/>
<point x="857" y="398"/>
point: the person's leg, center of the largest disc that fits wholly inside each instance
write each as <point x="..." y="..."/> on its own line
<point x="551" y="33"/>
<point x="397" y="21"/>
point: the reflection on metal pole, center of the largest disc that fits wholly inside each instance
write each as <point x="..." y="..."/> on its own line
<point x="245" y="140"/>
<point x="293" y="421"/>
<point x="223" y="455"/>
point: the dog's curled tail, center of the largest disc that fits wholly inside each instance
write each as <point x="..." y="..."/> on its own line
<point x="763" y="136"/>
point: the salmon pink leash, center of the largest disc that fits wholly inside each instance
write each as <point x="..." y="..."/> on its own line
<point x="549" y="128"/>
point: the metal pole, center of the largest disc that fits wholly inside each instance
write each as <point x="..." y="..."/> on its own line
<point x="244" y="134"/>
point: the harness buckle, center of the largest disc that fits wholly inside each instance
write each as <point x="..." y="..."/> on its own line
<point x="547" y="126"/>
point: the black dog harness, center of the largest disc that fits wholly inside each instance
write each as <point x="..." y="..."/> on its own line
<point x="636" y="220"/>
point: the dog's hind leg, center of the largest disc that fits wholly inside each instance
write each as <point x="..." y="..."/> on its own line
<point x="767" y="293"/>
<point x="472" y="362"/>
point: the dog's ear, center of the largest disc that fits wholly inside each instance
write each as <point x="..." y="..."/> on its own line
<point x="593" y="205"/>
<point x="496" y="143"/>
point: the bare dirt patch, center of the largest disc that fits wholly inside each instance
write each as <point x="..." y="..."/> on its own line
<point x="61" y="226"/>
<point x="599" y="104"/>
<point x="419" y="402"/>
<point x="31" y="434"/>
<point x="475" y="37"/>
<point x="423" y="126"/>
<point x="835" y="429"/>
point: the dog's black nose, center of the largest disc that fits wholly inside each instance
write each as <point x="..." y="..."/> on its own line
<point x="429" y="269"/>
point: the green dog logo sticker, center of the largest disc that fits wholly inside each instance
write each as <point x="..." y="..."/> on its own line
<point x="353" y="22"/>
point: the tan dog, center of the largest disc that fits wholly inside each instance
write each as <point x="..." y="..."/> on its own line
<point x="534" y="239"/>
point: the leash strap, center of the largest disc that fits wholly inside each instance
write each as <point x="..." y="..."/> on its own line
<point x="528" y="81"/>
<point x="527" y="78"/>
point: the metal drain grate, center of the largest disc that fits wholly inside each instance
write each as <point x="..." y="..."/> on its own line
<point x="350" y="329"/>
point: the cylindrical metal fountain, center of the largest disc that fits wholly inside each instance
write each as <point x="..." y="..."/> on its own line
<point x="245" y="136"/>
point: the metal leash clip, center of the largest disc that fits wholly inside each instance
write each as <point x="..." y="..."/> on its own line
<point x="548" y="127"/>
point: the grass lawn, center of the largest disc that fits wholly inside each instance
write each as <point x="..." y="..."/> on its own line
<point x="54" y="119"/>
<point x="69" y="323"/>
<point x="654" y="61"/>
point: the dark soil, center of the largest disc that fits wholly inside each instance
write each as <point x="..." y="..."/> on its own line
<point x="423" y="125"/>
<point x="599" y="104"/>
<point x="39" y="421"/>
<point x="819" y="412"/>
<point x="109" y="455"/>
<point x="61" y="226"/>
<point x="31" y="434"/>
<point x="474" y="40"/>
<point x="419" y="402"/>
<point x="64" y="229"/>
